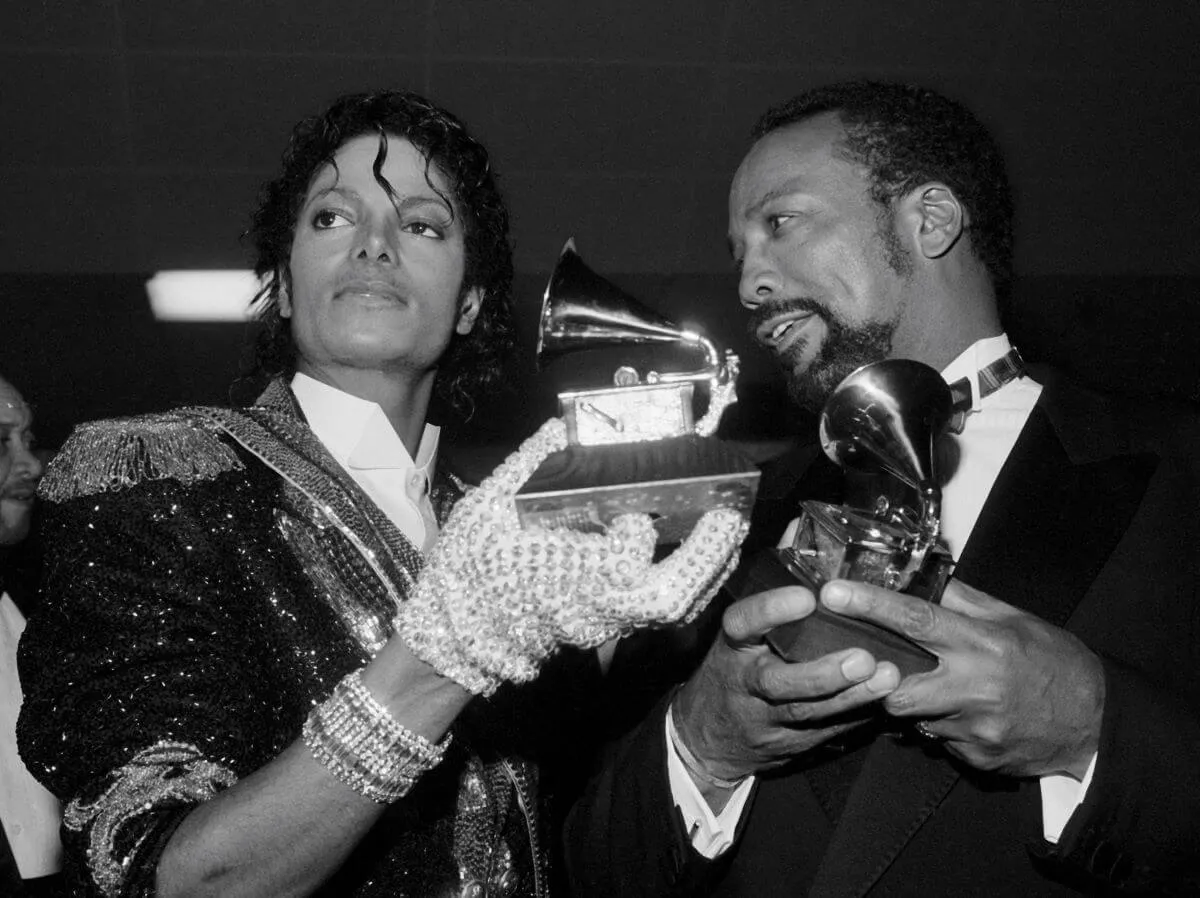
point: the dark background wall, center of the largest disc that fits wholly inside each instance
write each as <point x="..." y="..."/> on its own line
<point x="136" y="133"/>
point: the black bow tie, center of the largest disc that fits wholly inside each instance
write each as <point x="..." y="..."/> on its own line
<point x="1008" y="367"/>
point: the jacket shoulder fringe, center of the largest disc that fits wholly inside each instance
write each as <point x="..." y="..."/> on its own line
<point x="115" y="453"/>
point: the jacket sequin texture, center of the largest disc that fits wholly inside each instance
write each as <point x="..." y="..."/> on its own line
<point x="211" y="575"/>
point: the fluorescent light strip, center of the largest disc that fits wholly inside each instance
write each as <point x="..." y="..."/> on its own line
<point x="202" y="295"/>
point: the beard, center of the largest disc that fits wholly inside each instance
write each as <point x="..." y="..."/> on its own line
<point x="845" y="349"/>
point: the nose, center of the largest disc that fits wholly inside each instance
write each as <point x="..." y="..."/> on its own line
<point x="377" y="241"/>
<point x="759" y="280"/>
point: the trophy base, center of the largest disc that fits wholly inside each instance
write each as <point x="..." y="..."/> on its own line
<point x="823" y="631"/>
<point x="675" y="481"/>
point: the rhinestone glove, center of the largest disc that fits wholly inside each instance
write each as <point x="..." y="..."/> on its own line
<point x="495" y="599"/>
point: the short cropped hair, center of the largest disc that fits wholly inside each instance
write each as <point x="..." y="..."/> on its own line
<point x="473" y="363"/>
<point x="906" y="136"/>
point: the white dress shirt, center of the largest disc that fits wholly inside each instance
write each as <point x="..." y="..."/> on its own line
<point x="359" y="436"/>
<point x="989" y="434"/>
<point x="29" y="814"/>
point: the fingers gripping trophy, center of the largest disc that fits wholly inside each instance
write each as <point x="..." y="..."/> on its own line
<point x="558" y="546"/>
<point x="881" y="425"/>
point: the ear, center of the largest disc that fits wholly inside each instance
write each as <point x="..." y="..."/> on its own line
<point x="468" y="311"/>
<point x="283" y="297"/>
<point x="939" y="219"/>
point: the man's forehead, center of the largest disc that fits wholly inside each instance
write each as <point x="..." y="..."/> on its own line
<point x="806" y="147"/>
<point x="406" y="169"/>
<point x="800" y="158"/>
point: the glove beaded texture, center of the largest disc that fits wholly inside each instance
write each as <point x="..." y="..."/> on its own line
<point x="495" y="599"/>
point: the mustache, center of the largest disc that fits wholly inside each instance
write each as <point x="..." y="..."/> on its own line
<point x="775" y="307"/>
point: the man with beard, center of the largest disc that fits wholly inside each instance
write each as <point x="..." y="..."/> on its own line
<point x="1051" y="751"/>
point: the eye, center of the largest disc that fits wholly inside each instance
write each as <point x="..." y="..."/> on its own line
<point x="778" y="220"/>
<point x="326" y="219"/>
<point x="425" y="229"/>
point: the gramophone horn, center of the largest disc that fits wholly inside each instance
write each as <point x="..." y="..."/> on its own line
<point x="887" y="416"/>
<point x="582" y="310"/>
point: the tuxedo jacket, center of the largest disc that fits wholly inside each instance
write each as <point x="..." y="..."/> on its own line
<point x="1093" y="525"/>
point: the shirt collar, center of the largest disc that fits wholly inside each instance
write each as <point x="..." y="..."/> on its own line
<point x="357" y="432"/>
<point x="973" y="359"/>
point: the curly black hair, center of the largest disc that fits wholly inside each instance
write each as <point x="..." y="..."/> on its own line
<point x="907" y="135"/>
<point x="473" y="364"/>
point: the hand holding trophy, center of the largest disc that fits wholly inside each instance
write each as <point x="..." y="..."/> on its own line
<point x="881" y="425"/>
<point x="496" y="599"/>
<point x="567" y="556"/>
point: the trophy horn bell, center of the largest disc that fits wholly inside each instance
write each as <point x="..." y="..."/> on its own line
<point x="889" y="415"/>
<point x="582" y="310"/>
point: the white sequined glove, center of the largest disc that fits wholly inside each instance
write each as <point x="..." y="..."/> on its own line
<point x="495" y="599"/>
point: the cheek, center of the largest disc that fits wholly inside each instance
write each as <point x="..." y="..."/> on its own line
<point x="852" y="276"/>
<point x="312" y="265"/>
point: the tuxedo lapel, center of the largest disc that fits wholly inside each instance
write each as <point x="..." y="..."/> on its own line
<point x="1050" y="524"/>
<point x="1047" y="528"/>
<point x="899" y="787"/>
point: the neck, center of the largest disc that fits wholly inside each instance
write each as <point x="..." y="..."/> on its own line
<point x="404" y="398"/>
<point x="951" y="317"/>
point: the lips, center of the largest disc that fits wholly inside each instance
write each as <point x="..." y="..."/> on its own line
<point x="776" y="332"/>
<point x="20" y="494"/>
<point x="364" y="287"/>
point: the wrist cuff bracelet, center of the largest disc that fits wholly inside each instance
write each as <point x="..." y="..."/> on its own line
<point x="356" y="738"/>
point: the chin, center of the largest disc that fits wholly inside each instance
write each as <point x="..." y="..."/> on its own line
<point x="370" y="350"/>
<point x="11" y="534"/>
<point x="14" y="521"/>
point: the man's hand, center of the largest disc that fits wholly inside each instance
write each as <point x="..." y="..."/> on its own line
<point x="747" y="710"/>
<point x="1012" y="693"/>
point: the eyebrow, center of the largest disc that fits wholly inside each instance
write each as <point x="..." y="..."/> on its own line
<point x="401" y="204"/>
<point x="771" y="195"/>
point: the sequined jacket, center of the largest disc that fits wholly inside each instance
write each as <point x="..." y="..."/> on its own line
<point x="211" y="574"/>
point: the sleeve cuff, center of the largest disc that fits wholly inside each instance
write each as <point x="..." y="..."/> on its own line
<point x="710" y="834"/>
<point x="1061" y="795"/>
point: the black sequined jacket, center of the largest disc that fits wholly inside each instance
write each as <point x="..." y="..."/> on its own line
<point x="211" y="574"/>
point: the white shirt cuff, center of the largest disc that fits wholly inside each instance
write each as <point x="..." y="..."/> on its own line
<point x="1061" y="795"/>
<point x="710" y="834"/>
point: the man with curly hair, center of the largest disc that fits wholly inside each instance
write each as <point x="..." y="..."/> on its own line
<point x="266" y="628"/>
<point x="1051" y="751"/>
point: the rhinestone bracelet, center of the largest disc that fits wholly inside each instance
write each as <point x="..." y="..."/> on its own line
<point x="356" y="738"/>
